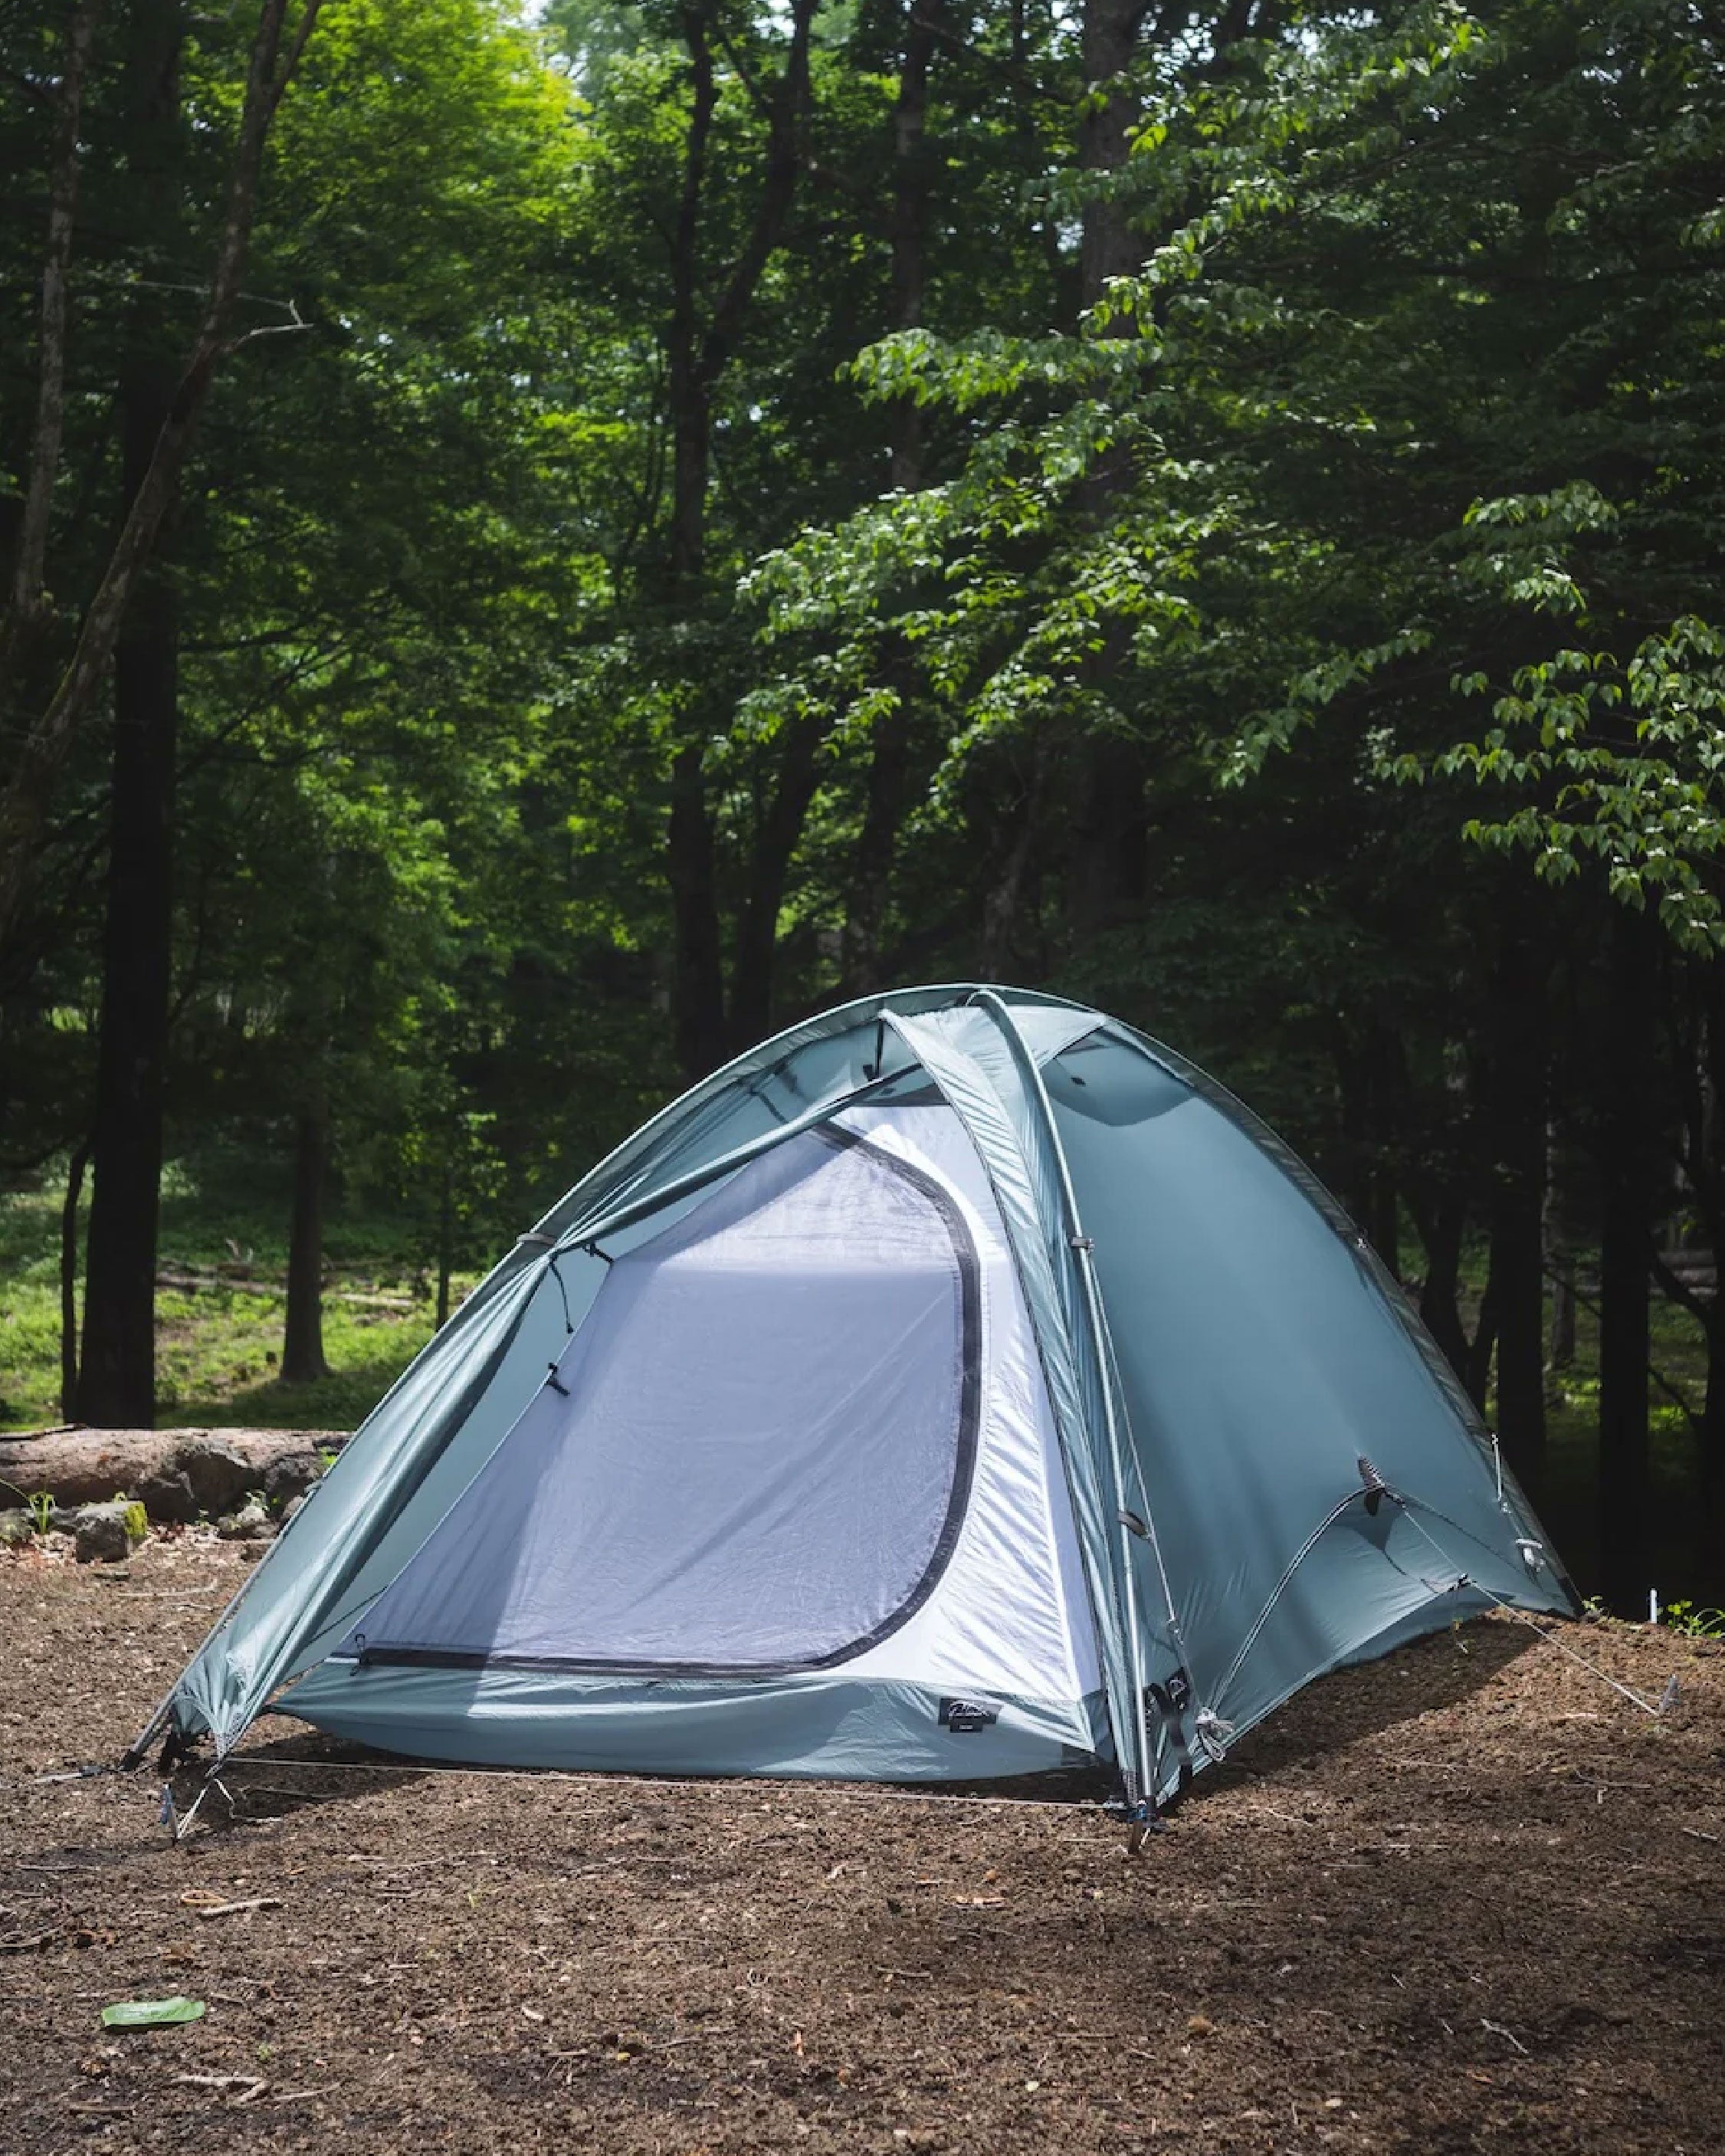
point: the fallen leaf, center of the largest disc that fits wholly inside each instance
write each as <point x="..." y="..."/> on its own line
<point x="152" y="2013"/>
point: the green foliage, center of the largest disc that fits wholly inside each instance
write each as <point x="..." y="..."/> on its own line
<point x="1257" y="643"/>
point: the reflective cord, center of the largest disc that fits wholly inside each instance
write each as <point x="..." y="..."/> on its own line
<point x="1552" y="1639"/>
<point x="1276" y="1593"/>
<point x="1521" y="1617"/>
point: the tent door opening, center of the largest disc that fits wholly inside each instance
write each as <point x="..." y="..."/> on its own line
<point x="757" y="1453"/>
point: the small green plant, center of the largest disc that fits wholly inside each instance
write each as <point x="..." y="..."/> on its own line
<point x="37" y="1503"/>
<point x="1694" y="1623"/>
<point x="327" y="1456"/>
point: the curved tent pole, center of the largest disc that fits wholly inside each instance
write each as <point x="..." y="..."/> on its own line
<point x="1083" y="1253"/>
<point x="589" y="1229"/>
<point x="608" y="1178"/>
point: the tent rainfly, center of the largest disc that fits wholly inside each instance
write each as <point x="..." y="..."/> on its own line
<point x="959" y="1385"/>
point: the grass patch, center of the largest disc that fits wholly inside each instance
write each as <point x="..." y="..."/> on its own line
<point x="218" y="1344"/>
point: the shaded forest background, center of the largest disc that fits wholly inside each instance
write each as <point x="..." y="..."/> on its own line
<point x="540" y="549"/>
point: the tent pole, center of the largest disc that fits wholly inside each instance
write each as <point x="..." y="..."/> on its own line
<point x="1140" y="1775"/>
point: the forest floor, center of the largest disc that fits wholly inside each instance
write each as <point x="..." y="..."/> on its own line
<point x="1468" y="1898"/>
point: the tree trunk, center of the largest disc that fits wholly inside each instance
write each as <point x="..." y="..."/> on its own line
<point x="1477" y="1372"/>
<point x="116" y="1382"/>
<point x="1110" y="836"/>
<point x="1559" y="1253"/>
<point x="757" y="930"/>
<point x="69" y="1279"/>
<point x="30" y="567"/>
<point x="1366" y="1068"/>
<point x="1108" y="247"/>
<point x="1623" y="1319"/>
<point x="698" y="997"/>
<point x="152" y="482"/>
<point x="302" y="1356"/>
<point x="1519" y="1105"/>
<point x="445" y="1240"/>
<point x="1705" y="1164"/>
<point x="1438" y="1223"/>
<point x="1709" y="1481"/>
<point x="888" y="786"/>
<point x="116" y="1378"/>
<point x="697" y="355"/>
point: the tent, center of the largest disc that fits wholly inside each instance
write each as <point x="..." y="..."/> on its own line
<point x="959" y="1385"/>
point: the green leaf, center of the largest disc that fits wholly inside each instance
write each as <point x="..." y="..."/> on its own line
<point x="152" y="2013"/>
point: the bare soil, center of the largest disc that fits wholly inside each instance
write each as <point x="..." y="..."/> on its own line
<point x="1466" y="1899"/>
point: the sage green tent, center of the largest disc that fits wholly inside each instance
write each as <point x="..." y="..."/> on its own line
<point x="959" y="1385"/>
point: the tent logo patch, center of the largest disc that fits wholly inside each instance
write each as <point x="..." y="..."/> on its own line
<point x="963" y="1717"/>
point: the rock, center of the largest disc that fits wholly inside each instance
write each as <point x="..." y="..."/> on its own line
<point x="105" y="1533"/>
<point x="291" y="1476"/>
<point x="168" y="1496"/>
<point x="250" y="1524"/>
<point x="16" y="1529"/>
<point x="294" y="1505"/>
<point x="218" y="1474"/>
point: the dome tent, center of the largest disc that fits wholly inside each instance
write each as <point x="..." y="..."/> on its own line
<point x="959" y="1385"/>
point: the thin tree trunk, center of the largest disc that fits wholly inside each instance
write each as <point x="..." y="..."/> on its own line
<point x="1005" y="896"/>
<point x="302" y="1356"/>
<point x="1518" y="1107"/>
<point x="1438" y="1223"/>
<point x="1559" y="1255"/>
<point x="1365" y="1069"/>
<point x="911" y="177"/>
<point x="30" y="567"/>
<point x="24" y="803"/>
<point x="1477" y="1372"/>
<point x="698" y="997"/>
<point x="1624" y="1317"/>
<point x="1110" y="837"/>
<point x="1706" y="1169"/>
<point x="887" y="790"/>
<point x="1710" y="1478"/>
<point x="446" y="1242"/>
<point x="757" y="928"/>
<point x="69" y="1279"/>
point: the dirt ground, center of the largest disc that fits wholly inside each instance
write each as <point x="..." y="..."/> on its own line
<point x="1467" y="1899"/>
